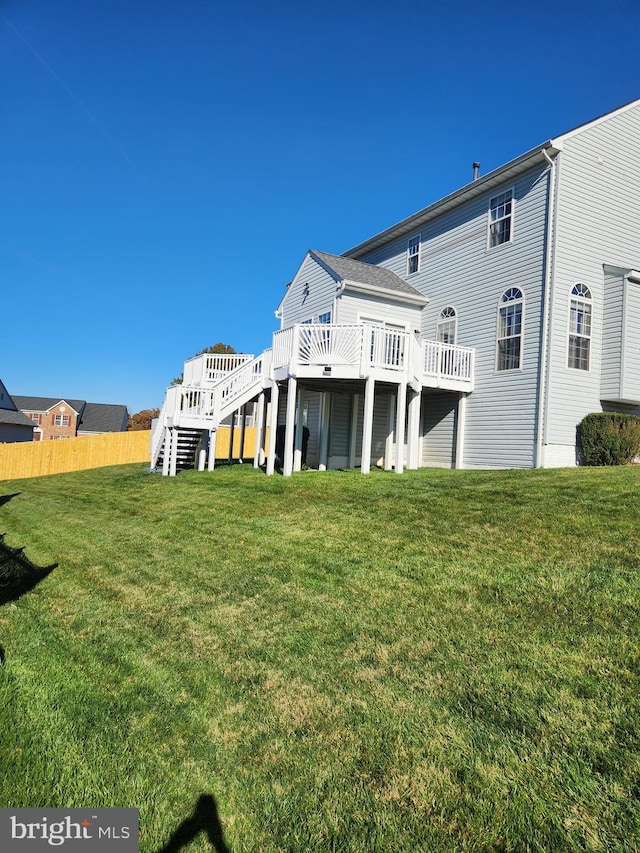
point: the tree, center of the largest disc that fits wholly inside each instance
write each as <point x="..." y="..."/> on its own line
<point x="142" y="419"/>
<point x="217" y="349"/>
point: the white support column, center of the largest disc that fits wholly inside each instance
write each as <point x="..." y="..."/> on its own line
<point x="325" y="415"/>
<point x="287" y="464"/>
<point x="173" y="462"/>
<point x="401" y="411"/>
<point x="297" y="452"/>
<point x="211" y="460"/>
<point x="202" y="455"/>
<point x="353" y="432"/>
<point x="461" y="416"/>
<point x="367" y="425"/>
<point x="388" y="445"/>
<point x="167" y="452"/>
<point x="273" y="428"/>
<point x="259" y="425"/>
<point x="413" y="431"/>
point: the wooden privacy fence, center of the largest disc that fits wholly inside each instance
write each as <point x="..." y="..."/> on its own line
<point x="39" y="458"/>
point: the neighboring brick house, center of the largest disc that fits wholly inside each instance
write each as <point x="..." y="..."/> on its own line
<point x="56" y="419"/>
<point x="14" y="425"/>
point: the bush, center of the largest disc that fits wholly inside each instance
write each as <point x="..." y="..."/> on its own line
<point x="610" y="438"/>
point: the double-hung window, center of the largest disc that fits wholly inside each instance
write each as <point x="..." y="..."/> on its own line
<point x="413" y="255"/>
<point x="510" y="330"/>
<point x="580" y="327"/>
<point x="501" y="219"/>
<point x="61" y="420"/>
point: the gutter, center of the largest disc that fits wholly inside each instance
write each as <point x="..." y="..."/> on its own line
<point x="549" y="263"/>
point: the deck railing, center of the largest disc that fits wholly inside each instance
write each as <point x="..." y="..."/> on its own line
<point x="369" y="346"/>
<point x="211" y="367"/>
<point x="448" y="361"/>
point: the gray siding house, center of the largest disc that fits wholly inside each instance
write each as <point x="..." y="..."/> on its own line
<point x="14" y="425"/>
<point x="476" y="333"/>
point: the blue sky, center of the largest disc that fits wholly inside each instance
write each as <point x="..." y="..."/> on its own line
<point x="165" y="166"/>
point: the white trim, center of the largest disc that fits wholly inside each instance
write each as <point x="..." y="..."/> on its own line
<point x="442" y="320"/>
<point x="511" y="217"/>
<point x="521" y="299"/>
<point x="389" y="295"/>
<point x="586" y="300"/>
<point x="413" y="242"/>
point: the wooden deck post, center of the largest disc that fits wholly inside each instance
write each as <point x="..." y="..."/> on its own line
<point x="258" y="450"/>
<point x="173" y="461"/>
<point x="297" y="454"/>
<point x="287" y="465"/>
<point x="353" y="433"/>
<point x="461" y="414"/>
<point x="325" y="415"/>
<point x="388" y="445"/>
<point x="413" y="431"/>
<point x="167" y="452"/>
<point x="273" y="428"/>
<point x="367" y="425"/>
<point x="211" y="460"/>
<point x="401" y="411"/>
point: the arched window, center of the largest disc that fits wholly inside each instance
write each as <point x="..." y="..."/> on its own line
<point x="446" y="326"/>
<point x="510" y="329"/>
<point x="580" y="327"/>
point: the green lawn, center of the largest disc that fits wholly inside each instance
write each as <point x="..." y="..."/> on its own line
<point x="441" y="661"/>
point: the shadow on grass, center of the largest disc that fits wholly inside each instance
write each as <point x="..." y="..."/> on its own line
<point x="204" y="819"/>
<point x="18" y="574"/>
<point x="4" y="499"/>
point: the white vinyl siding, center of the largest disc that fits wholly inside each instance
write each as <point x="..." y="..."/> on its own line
<point x="457" y="270"/>
<point x="310" y="294"/>
<point x="439" y="429"/>
<point x="598" y="228"/>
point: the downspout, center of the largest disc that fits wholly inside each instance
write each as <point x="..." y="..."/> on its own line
<point x="544" y="343"/>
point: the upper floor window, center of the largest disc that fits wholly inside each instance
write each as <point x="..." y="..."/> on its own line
<point x="446" y="327"/>
<point x="413" y="254"/>
<point x="510" y="329"/>
<point x="580" y="327"/>
<point x="61" y="420"/>
<point x="35" y="416"/>
<point x="324" y="318"/>
<point x="501" y="219"/>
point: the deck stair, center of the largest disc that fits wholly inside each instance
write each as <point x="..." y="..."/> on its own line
<point x="188" y="441"/>
<point x="191" y="412"/>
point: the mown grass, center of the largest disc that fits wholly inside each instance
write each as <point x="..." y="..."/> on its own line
<point x="434" y="662"/>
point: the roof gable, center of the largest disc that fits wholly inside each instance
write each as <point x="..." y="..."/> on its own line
<point x="45" y="404"/>
<point x="356" y="275"/>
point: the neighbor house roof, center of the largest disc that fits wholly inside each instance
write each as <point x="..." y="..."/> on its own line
<point x="353" y="273"/>
<point x="43" y="404"/>
<point x="8" y="416"/>
<point x="103" y="417"/>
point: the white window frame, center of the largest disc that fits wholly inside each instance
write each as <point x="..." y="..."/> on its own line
<point x="413" y="253"/>
<point x="447" y="316"/>
<point x="580" y="295"/>
<point x="62" y="419"/>
<point x="325" y="318"/>
<point x="496" y="204"/>
<point x="507" y="299"/>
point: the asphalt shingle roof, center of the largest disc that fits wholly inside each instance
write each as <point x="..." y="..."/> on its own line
<point x="43" y="404"/>
<point x="350" y="270"/>
<point x="103" y="417"/>
<point x="8" y="416"/>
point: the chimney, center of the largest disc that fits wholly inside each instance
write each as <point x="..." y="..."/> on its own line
<point x="476" y="171"/>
